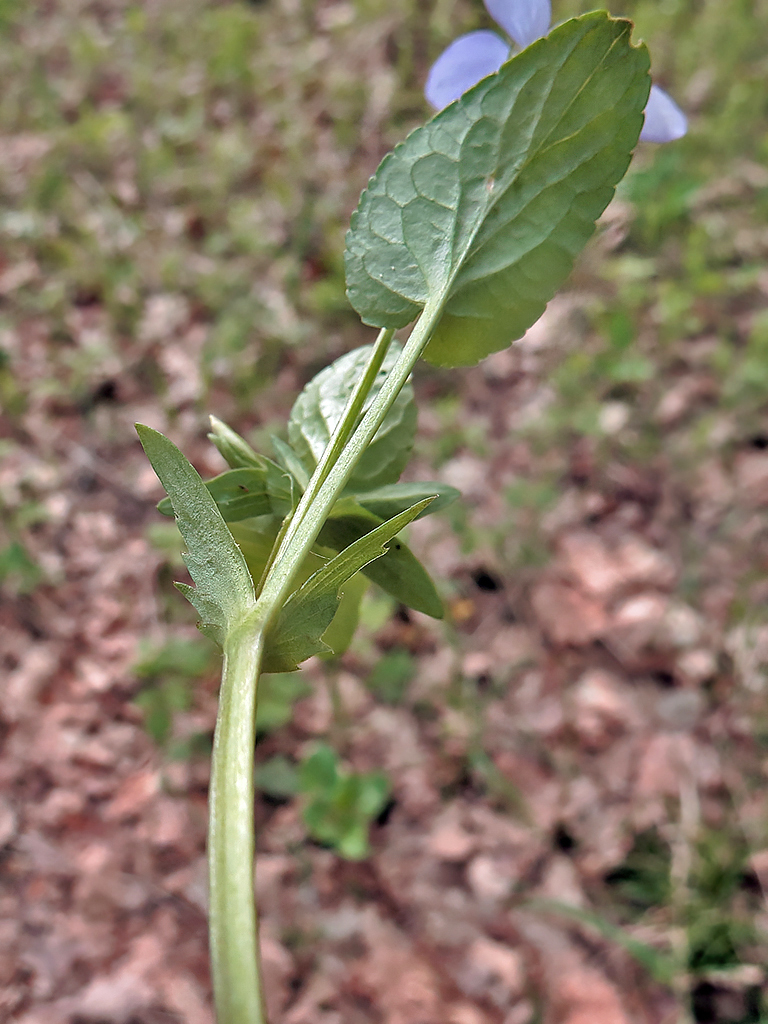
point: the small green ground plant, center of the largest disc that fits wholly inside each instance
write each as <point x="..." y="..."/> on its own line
<point x="167" y="673"/>
<point x="466" y="231"/>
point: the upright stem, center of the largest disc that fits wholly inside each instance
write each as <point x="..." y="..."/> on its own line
<point x="232" y="919"/>
<point x="348" y="421"/>
<point x="300" y="538"/>
<point x="335" y="446"/>
<point x="233" y="933"/>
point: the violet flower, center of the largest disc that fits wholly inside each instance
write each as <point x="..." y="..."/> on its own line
<point x="475" y="55"/>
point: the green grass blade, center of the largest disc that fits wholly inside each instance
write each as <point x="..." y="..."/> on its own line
<point x="661" y="966"/>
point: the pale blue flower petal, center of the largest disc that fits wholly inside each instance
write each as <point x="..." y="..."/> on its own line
<point x="525" y="21"/>
<point x="664" y="120"/>
<point x="468" y="59"/>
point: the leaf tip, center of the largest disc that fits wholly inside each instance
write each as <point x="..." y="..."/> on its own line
<point x="149" y="436"/>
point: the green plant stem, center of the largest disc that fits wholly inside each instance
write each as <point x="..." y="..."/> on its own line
<point x="234" y="939"/>
<point x="299" y="541"/>
<point x="232" y="919"/>
<point x="333" y="449"/>
<point x="349" y="420"/>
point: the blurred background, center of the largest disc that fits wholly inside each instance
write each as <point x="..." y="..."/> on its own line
<point x="572" y="825"/>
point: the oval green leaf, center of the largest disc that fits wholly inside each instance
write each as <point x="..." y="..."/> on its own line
<point x="321" y="404"/>
<point x="482" y="211"/>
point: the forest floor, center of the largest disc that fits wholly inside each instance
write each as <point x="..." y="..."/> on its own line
<point x="578" y="753"/>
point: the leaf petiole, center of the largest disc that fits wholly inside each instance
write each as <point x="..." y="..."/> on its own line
<point x="299" y="539"/>
<point x="333" y="450"/>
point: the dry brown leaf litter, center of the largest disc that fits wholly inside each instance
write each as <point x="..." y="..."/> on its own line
<point x="104" y="876"/>
<point x="616" y="705"/>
